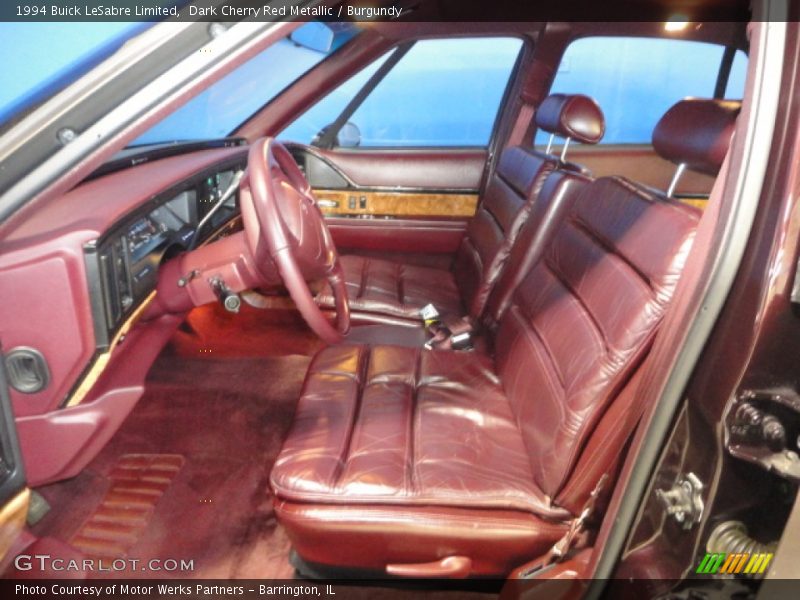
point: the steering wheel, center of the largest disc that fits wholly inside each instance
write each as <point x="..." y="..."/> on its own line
<point x="283" y="222"/>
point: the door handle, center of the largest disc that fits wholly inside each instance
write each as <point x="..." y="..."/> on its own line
<point x="325" y="203"/>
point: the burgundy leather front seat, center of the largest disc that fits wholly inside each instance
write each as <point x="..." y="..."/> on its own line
<point x="409" y="461"/>
<point x="401" y="290"/>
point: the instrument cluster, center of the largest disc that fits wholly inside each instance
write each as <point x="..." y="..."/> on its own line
<point x="123" y="265"/>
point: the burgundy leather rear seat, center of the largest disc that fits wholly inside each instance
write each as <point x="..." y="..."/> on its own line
<point x="400" y="457"/>
<point x="400" y="290"/>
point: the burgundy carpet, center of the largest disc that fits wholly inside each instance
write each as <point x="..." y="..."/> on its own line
<point x="212" y="332"/>
<point x="186" y="476"/>
<point x="219" y="402"/>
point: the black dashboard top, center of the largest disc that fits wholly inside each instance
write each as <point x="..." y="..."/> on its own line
<point x="135" y="155"/>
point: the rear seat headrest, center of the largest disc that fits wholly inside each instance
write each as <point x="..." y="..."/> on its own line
<point x="572" y="116"/>
<point x="696" y="132"/>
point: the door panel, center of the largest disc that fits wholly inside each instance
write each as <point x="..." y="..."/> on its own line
<point x="398" y="236"/>
<point x="429" y="170"/>
<point x="14" y="494"/>
<point x="395" y="201"/>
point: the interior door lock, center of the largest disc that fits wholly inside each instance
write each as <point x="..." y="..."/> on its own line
<point x="684" y="500"/>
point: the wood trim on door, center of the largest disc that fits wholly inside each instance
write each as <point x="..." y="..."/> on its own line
<point x="397" y="204"/>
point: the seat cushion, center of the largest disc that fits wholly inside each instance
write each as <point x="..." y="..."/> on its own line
<point x="393" y="425"/>
<point x="395" y="289"/>
<point x="389" y="439"/>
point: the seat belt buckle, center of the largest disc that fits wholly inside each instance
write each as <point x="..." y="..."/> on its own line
<point x="429" y="314"/>
<point x="461" y="341"/>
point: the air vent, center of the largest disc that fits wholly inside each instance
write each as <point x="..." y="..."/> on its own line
<point x="27" y="370"/>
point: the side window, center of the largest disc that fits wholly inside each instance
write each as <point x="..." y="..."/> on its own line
<point x="307" y="128"/>
<point x="635" y="80"/>
<point x="441" y="93"/>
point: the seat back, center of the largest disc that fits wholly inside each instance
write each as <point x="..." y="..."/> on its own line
<point x="584" y="315"/>
<point x="558" y="192"/>
<point x="511" y="193"/>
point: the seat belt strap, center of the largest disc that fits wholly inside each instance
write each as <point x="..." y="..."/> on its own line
<point x="562" y="547"/>
<point x="577" y="525"/>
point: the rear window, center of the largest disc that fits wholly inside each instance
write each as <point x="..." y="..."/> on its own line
<point x="635" y="80"/>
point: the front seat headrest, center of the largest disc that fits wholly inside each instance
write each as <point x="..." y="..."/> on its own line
<point x="696" y="132"/>
<point x="573" y="116"/>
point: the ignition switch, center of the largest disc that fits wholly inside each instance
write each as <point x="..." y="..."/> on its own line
<point x="230" y="299"/>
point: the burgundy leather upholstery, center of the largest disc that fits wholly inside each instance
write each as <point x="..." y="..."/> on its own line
<point x="509" y="198"/>
<point x="395" y="289"/>
<point x="572" y="116"/>
<point x="399" y="290"/>
<point x="582" y="318"/>
<point x="392" y="424"/>
<point x="558" y="192"/>
<point x="402" y="431"/>
<point x="697" y="133"/>
<point x="402" y="455"/>
<point x="374" y="536"/>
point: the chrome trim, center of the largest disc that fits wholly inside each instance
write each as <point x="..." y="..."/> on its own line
<point x="675" y="178"/>
<point x="563" y="156"/>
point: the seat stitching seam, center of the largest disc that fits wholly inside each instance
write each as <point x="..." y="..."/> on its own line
<point x="412" y="441"/>
<point x="399" y="279"/>
<point x="590" y="315"/>
<point x="610" y="248"/>
<point x="507" y="181"/>
<point x="361" y="371"/>
<point x="550" y="355"/>
<point x="620" y="378"/>
<point x="541" y="342"/>
<point x="363" y="283"/>
<point x="516" y="415"/>
<point x="652" y="198"/>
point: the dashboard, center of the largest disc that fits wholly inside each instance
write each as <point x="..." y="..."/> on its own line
<point x="122" y="265"/>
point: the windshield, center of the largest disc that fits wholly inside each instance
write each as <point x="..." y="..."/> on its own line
<point x="49" y="56"/>
<point x="226" y="104"/>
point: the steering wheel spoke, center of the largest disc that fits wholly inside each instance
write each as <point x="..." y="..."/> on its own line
<point x="284" y="215"/>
